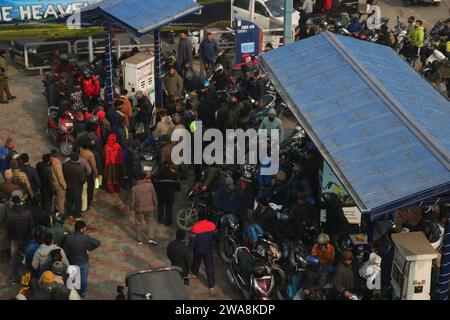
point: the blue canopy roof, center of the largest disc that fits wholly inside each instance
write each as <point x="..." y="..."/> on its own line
<point x="141" y="16"/>
<point x="383" y="129"/>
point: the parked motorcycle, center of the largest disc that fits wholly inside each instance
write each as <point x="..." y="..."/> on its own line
<point x="255" y="280"/>
<point x="230" y="237"/>
<point x="187" y="217"/>
<point x="60" y="130"/>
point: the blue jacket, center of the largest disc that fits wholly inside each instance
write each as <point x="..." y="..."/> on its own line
<point x="278" y="194"/>
<point x="226" y="203"/>
<point x="4" y="154"/>
<point x="209" y="50"/>
<point x="204" y="233"/>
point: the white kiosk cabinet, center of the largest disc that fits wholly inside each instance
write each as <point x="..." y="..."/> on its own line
<point x="138" y="72"/>
<point x="411" y="270"/>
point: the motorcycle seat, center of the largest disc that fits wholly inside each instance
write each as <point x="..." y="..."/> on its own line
<point x="245" y="262"/>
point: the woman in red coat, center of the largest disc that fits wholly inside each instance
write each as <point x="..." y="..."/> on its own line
<point x="113" y="164"/>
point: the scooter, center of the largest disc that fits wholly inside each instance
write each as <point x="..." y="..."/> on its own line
<point x="254" y="280"/>
<point x="60" y="130"/>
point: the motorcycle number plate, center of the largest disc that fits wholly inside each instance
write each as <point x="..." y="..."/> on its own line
<point x="148" y="168"/>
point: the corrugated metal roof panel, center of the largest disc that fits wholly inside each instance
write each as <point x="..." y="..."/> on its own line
<point x="141" y="16"/>
<point x="382" y="128"/>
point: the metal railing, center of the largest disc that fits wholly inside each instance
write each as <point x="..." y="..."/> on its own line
<point x="35" y="44"/>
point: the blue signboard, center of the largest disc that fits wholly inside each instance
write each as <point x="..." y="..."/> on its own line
<point x="12" y="11"/>
<point x="248" y="40"/>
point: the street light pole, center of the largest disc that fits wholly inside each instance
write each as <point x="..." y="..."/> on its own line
<point x="252" y="10"/>
<point x="288" y="10"/>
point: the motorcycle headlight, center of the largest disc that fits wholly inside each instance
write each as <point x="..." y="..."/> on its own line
<point x="147" y="157"/>
<point x="248" y="175"/>
<point x="32" y="50"/>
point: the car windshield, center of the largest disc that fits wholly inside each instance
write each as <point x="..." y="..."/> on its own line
<point x="276" y="7"/>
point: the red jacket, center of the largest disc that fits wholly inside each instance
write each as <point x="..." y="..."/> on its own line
<point x="91" y="86"/>
<point x="327" y="4"/>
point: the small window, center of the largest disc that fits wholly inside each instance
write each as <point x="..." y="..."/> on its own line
<point x="243" y="4"/>
<point x="259" y="9"/>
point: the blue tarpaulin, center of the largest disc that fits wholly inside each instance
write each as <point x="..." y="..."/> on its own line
<point x="382" y="127"/>
<point x="141" y="16"/>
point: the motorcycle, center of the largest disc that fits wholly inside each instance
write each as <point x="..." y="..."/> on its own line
<point x="187" y="217"/>
<point x="255" y="280"/>
<point x="400" y="32"/>
<point x="149" y="161"/>
<point x="230" y="237"/>
<point x="60" y="130"/>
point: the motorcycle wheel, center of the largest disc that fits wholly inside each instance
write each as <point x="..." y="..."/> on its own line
<point x="186" y="218"/>
<point x="226" y="250"/>
<point x="66" y="148"/>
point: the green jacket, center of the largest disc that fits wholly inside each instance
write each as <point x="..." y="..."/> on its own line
<point x="275" y="124"/>
<point x="417" y="36"/>
<point x="59" y="234"/>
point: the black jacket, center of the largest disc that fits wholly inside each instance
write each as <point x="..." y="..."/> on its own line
<point x="33" y="176"/>
<point x="45" y="175"/>
<point x="166" y="183"/>
<point x="76" y="246"/>
<point x="18" y="222"/>
<point x="75" y="176"/>
<point x="180" y="255"/>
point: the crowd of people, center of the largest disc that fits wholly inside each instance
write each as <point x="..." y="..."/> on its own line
<point x="42" y="203"/>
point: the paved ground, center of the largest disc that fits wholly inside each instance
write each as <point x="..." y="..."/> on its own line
<point x="25" y="120"/>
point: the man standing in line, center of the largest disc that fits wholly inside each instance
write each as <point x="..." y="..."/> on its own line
<point x="144" y="203"/>
<point x="4" y="87"/>
<point x="77" y="248"/>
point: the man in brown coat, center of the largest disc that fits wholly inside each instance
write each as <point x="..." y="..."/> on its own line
<point x="87" y="154"/>
<point x="59" y="183"/>
<point x="144" y="203"/>
<point x="7" y="187"/>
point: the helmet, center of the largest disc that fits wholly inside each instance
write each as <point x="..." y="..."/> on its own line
<point x="323" y="239"/>
<point x="313" y="261"/>
<point x="280" y="176"/>
<point x="79" y="116"/>
<point x="285" y="215"/>
<point x="139" y="94"/>
<point x="92" y="119"/>
<point x="58" y="218"/>
<point x="86" y="72"/>
<point x="261" y="250"/>
<point x="219" y="68"/>
<point x="63" y="57"/>
<point x="68" y="115"/>
<point x="231" y="221"/>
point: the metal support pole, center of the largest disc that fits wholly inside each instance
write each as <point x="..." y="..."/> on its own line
<point x="444" y="271"/>
<point x="288" y="10"/>
<point x="252" y="10"/>
<point x="109" y="93"/>
<point x="91" y="49"/>
<point x="158" y="81"/>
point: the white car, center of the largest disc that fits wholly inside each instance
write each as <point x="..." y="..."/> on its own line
<point x="269" y="14"/>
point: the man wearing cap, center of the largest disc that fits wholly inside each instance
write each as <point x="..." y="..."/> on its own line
<point x="229" y="198"/>
<point x="75" y="177"/>
<point x="204" y="233"/>
<point x="272" y="122"/>
<point x="19" y="224"/>
<point x="58" y="230"/>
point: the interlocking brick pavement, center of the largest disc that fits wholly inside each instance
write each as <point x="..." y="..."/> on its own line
<point x="25" y="120"/>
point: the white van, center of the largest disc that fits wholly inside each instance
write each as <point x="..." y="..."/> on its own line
<point x="269" y="14"/>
